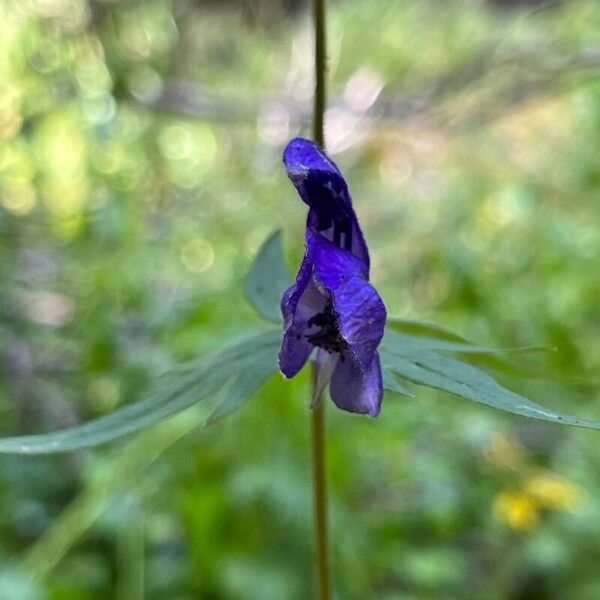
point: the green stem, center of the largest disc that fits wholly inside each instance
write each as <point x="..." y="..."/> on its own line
<point x="320" y="500"/>
<point x="318" y="413"/>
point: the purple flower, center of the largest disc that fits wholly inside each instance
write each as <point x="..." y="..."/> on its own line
<point x="332" y="306"/>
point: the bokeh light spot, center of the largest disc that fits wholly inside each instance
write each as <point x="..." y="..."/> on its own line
<point x="197" y="255"/>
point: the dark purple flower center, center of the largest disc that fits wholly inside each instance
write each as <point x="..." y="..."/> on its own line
<point x="328" y="336"/>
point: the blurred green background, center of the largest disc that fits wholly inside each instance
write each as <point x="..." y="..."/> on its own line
<point x="139" y="173"/>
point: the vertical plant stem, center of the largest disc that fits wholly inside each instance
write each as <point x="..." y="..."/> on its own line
<point x="318" y="413"/>
<point x="320" y="71"/>
<point x="320" y="502"/>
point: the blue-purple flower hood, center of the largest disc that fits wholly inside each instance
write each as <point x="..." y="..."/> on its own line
<point x="332" y="306"/>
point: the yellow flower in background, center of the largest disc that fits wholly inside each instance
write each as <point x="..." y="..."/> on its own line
<point x="517" y="509"/>
<point x="537" y="490"/>
<point x="522" y="509"/>
<point x="555" y="492"/>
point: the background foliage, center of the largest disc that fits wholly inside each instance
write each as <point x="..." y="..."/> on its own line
<point x="139" y="173"/>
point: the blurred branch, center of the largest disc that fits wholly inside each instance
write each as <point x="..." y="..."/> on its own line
<point x="503" y="79"/>
<point x="511" y="78"/>
<point x="196" y="101"/>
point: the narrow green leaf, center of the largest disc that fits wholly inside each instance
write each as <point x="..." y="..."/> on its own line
<point x="404" y="344"/>
<point x="435" y="370"/>
<point x="391" y="383"/>
<point x="243" y="385"/>
<point x="175" y="393"/>
<point x="418" y="328"/>
<point x="499" y="364"/>
<point x="268" y="278"/>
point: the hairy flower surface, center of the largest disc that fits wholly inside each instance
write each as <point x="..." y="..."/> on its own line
<point x="332" y="306"/>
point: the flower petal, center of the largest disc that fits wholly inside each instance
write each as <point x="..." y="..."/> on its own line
<point x="302" y="156"/>
<point x="298" y="304"/>
<point x="322" y="186"/>
<point x="295" y="351"/>
<point x="326" y="363"/>
<point x="361" y="318"/>
<point x="359" y="308"/>
<point x="291" y="296"/>
<point x="333" y="266"/>
<point x="357" y="390"/>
